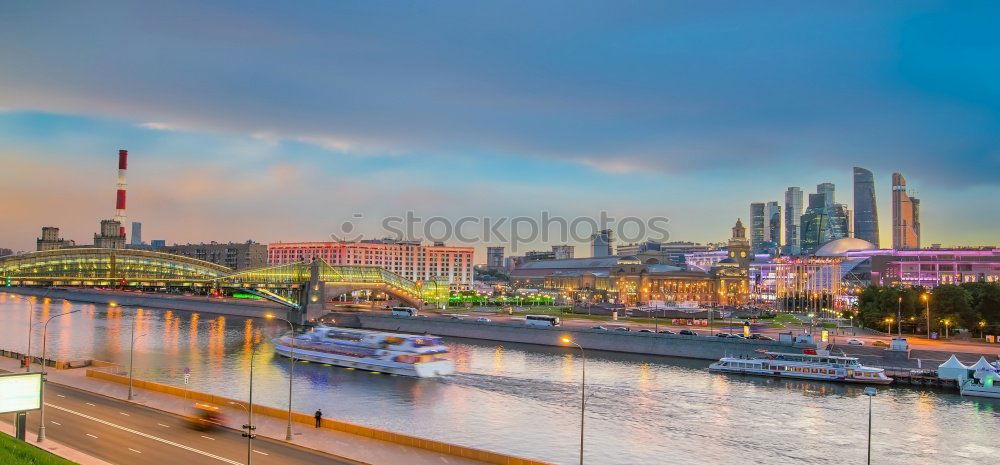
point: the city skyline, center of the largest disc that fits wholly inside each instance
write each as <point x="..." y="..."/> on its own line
<point x="636" y="126"/>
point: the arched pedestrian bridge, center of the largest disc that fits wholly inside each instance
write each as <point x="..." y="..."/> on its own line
<point x="301" y="286"/>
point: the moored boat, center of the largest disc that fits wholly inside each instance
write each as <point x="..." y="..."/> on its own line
<point x="399" y="354"/>
<point x="803" y="366"/>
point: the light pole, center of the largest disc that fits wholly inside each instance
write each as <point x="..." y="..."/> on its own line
<point x="982" y="329"/>
<point x="583" y="388"/>
<point x="41" y="412"/>
<point x="291" y="372"/>
<point x="947" y="325"/>
<point x="249" y="426"/>
<point x="927" y="305"/>
<point x="888" y="325"/>
<point x="870" y="392"/>
<point x="131" y="351"/>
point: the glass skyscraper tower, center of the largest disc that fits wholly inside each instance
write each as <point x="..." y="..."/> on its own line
<point x="865" y="211"/>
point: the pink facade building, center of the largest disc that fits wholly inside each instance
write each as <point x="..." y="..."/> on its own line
<point x="409" y="259"/>
<point x="933" y="267"/>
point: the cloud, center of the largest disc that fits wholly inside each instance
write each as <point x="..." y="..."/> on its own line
<point x="157" y="126"/>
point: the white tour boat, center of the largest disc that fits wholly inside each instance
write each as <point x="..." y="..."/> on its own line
<point x="983" y="380"/>
<point x="803" y="366"/>
<point x="400" y="354"/>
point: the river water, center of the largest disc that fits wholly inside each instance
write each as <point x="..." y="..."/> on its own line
<point x="525" y="400"/>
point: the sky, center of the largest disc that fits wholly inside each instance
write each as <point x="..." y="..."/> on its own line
<point x="281" y="121"/>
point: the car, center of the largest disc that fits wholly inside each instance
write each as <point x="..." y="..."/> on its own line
<point x="421" y="316"/>
<point x="737" y="336"/>
<point x="667" y="331"/>
<point x="688" y="332"/>
<point x="645" y="330"/>
<point x="764" y="338"/>
<point x="600" y="328"/>
<point x="721" y="335"/>
<point x="483" y="319"/>
<point x="456" y="317"/>
<point x="880" y="343"/>
<point x="622" y="328"/>
<point x="855" y="342"/>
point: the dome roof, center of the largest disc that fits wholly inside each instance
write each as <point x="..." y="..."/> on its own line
<point x="840" y="247"/>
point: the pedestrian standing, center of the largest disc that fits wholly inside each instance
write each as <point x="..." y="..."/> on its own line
<point x="319" y="417"/>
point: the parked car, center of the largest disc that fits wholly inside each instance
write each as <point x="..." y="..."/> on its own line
<point x="855" y="342"/>
<point x="737" y="336"/>
<point x="721" y="335"/>
<point x="622" y="328"/>
<point x="645" y="330"/>
<point x="601" y="328"/>
<point x="761" y="337"/>
<point x="483" y="319"/>
<point x="456" y="317"/>
<point x="688" y="332"/>
<point x="880" y="343"/>
<point x="667" y="331"/>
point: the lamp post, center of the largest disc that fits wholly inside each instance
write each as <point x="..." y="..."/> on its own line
<point x="249" y="426"/>
<point x="982" y="329"/>
<point x="131" y="352"/>
<point x="291" y="373"/>
<point x="947" y="325"/>
<point x="927" y="305"/>
<point x="583" y="388"/>
<point x="41" y="412"/>
<point x="870" y="392"/>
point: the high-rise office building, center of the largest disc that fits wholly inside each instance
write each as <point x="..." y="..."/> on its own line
<point x="758" y="220"/>
<point x="905" y="216"/>
<point x="563" y="252"/>
<point x="772" y="229"/>
<point x="136" y="233"/>
<point x="827" y="189"/>
<point x="601" y="244"/>
<point x="494" y="258"/>
<point x="823" y="222"/>
<point x="793" y="221"/>
<point x="865" y="211"/>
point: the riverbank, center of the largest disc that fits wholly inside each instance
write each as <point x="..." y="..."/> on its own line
<point x="192" y="303"/>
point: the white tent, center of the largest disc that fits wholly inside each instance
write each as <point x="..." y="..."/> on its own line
<point x="953" y="369"/>
<point x="982" y="364"/>
<point x="983" y="370"/>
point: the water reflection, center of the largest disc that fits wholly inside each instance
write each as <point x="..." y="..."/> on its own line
<point x="525" y="399"/>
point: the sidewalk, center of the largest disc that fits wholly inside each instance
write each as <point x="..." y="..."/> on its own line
<point x="346" y="445"/>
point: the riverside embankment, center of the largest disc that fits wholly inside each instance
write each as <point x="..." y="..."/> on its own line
<point x="200" y="304"/>
<point x="672" y="345"/>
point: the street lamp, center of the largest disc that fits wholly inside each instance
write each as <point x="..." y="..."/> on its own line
<point x="41" y="412"/>
<point x="249" y="426"/>
<point x="982" y="329"/>
<point x="927" y="305"/>
<point x="583" y="388"/>
<point x="947" y="324"/>
<point x="291" y="372"/>
<point x="899" y="317"/>
<point x="888" y="325"/>
<point x="870" y="392"/>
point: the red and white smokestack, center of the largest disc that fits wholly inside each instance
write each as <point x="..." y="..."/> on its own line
<point x="120" y="204"/>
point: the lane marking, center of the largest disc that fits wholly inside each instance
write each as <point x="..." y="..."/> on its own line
<point x="91" y="435"/>
<point x="133" y="450"/>
<point x="161" y="424"/>
<point x="60" y="395"/>
<point x="88" y="403"/>
<point x="55" y="423"/>
<point x="123" y="413"/>
<point x="145" y="435"/>
<point x="261" y="453"/>
<point x="206" y="437"/>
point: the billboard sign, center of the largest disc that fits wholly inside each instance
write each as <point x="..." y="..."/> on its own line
<point x="20" y="392"/>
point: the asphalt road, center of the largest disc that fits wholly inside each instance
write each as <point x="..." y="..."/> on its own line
<point x="124" y="433"/>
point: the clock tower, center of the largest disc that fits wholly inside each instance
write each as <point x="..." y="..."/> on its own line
<point x="739" y="246"/>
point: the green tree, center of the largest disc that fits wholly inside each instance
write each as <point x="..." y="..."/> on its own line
<point x="953" y="303"/>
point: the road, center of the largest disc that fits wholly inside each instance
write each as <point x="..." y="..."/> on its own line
<point x="120" y="432"/>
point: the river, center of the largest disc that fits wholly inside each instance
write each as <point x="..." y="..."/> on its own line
<point x="525" y="400"/>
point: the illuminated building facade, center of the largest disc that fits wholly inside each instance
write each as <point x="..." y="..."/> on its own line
<point x="808" y="285"/>
<point x="50" y="240"/>
<point x="409" y="259"/>
<point x="235" y="255"/>
<point x="932" y="267"/>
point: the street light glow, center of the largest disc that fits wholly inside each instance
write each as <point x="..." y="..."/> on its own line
<point x="566" y="340"/>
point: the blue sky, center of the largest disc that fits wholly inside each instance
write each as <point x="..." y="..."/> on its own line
<point x="278" y="121"/>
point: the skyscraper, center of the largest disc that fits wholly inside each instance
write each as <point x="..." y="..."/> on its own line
<point x="905" y="216"/>
<point x="772" y="230"/>
<point x="823" y="222"/>
<point x="601" y="244"/>
<point x="793" y="221"/>
<point x="865" y="211"/>
<point x="136" y="233"/>
<point x="827" y="189"/>
<point x="758" y="218"/>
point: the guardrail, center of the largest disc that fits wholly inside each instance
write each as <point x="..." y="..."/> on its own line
<point x="57" y="364"/>
<point x="364" y="431"/>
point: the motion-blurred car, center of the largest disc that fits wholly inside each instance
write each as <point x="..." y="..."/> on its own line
<point x="601" y="328"/>
<point x="688" y="332"/>
<point x="880" y="343"/>
<point x="204" y="417"/>
<point x="483" y="319"/>
<point x="855" y="342"/>
<point x="667" y="331"/>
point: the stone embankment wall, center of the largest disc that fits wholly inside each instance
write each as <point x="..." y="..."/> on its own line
<point x="701" y="347"/>
<point x="199" y="304"/>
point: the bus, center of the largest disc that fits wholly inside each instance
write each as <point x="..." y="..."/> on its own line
<point x="404" y="311"/>
<point x="541" y="320"/>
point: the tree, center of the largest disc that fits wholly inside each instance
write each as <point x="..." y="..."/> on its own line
<point x="954" y="303"/>
<point x="986" y="302"/>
